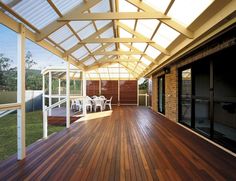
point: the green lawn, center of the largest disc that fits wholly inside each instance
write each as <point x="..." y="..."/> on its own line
<point x="34" y="131"/>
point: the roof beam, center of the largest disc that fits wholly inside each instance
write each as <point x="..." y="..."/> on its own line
<point x="153" y="44"/>
<point x="145" y="55"/>
<point x="117" y="53"/>
<point x="181" y="29"/>
<point x="93" y="36"/>
<point x="114" y="16"/>
<point x="55" y="25"/>
<point x="115" y="40"/>
<point x="98" y="50"/>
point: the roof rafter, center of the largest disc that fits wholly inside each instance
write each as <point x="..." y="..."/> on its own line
<point x="113" y="16"/>
<point x="115" y="40"/>
<point x="145" y="55"/>
<point x="55" y="25"/>
<point x="117" y="53"/>
<point x="153" y="44"/>
<point x="79" y="45"/>
<point x="181" y="29"/>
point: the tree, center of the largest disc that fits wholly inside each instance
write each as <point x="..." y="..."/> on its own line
<point x="4" y="62"/>
<point x="144" y="85"/>
<point x="29" y="61"/>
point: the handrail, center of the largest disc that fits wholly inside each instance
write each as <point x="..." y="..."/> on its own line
<point x="4" y="113"/>
<point x="55" y="105"/>
<point x="11" y="106"/>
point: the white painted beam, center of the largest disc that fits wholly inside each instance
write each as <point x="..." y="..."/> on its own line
<point x="68" y="95"/>
<point x="114" y="16"/>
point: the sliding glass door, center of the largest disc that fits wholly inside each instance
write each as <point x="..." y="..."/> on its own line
<point x="207" y="98"/>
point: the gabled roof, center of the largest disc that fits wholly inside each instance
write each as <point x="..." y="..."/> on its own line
<point x="133" y="35"/>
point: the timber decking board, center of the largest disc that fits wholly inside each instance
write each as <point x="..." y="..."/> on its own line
<point x="133" y="143"/>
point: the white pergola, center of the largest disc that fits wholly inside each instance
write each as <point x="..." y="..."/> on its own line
<point x="93" y="35"/>
<point x="66" y="74"/>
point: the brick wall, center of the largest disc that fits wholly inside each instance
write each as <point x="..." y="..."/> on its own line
<point x="171" y="94"/>
<point x="171" y="97"/>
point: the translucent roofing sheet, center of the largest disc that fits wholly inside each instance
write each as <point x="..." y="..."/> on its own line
<point x="159" y="5"/>
<point x="101" y="23"/>
<point x="185" y="12"/>
<point x="80" y="52"/>
<point x="103" y="6"/>
<point x="66" y="5"/>
<point x="107" y="34"/>
<point x="147" y="26"/>
<point x="79" y="25"/>
<point x="165" y="35"/>
<point x="39" y="13"/>
<point x="125" y="6"/>
<point x="69" y="43"/>
<point x="87" y="31"/>
<point x="61" y="34"/>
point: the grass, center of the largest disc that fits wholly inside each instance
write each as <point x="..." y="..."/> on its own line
<point x="34" y="132"/>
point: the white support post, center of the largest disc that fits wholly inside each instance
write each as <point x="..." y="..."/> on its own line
<point x="146" y="99"/>
<point x="21" y="93"/>
<point x="84" y="93"/>
<point x="68" y="95"/>
<point x="45" y="123"/>
<point x="43" y="101"/>
<point x="59" y="91"/>
<point x="137" y="94"/>
<point x="50" y="92"/>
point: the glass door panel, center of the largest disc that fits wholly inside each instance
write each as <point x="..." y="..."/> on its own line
<point x="161" y="94"/>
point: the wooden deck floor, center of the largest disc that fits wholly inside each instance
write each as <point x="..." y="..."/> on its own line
<point x="132" y="144"/>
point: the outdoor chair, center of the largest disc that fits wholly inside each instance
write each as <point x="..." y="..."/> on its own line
<point x="108" y="103"/>
<point x="98" y="102"/>
<point x="88" y="103"/>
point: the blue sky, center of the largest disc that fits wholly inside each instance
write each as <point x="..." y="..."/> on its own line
<point x="43" y="58"/>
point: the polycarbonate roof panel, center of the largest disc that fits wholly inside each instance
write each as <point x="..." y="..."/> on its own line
<point x="69" y="43"/>
<point x="93" y="46"/>
<point x="90" y="61"/>
<point x="61" y="34"/>
<point x="145" y="61"/>
<point x="125" y="34"/>
<point x="165" y="35"/>
<point x="66" y="5"/>
<point x="140" y="46"/>
<point x="152" y="52"/>
<point x="107" y="34"/>
<point x="111" y="47"/>
<point x="39" y="13"/>
<point x="86" y="32"/>
<point x="103" y="6"/>
<point x="79" y="25"/>
<point x="185" y="12"/>
<point x="129" y="23"/>
<point x="159" y="5"/>
<point x="147" y="26"/>
<point x="125" y="6"/>
<point x="80" y="52"/>
<point x="101" y="23"/>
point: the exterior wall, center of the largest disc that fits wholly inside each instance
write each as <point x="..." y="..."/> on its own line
<point x="154" y="93"/>
<point x="171" y="94"/>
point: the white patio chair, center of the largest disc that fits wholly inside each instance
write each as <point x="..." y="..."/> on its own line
<point x="78" y="105"/>
<point x="88" y="103"/>
<point x="98" y="103"/>
<point x="73" y="105"/>
<point x="108" y="103"/>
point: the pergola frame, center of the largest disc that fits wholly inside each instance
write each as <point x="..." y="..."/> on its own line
<point x="203" y="28"/>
